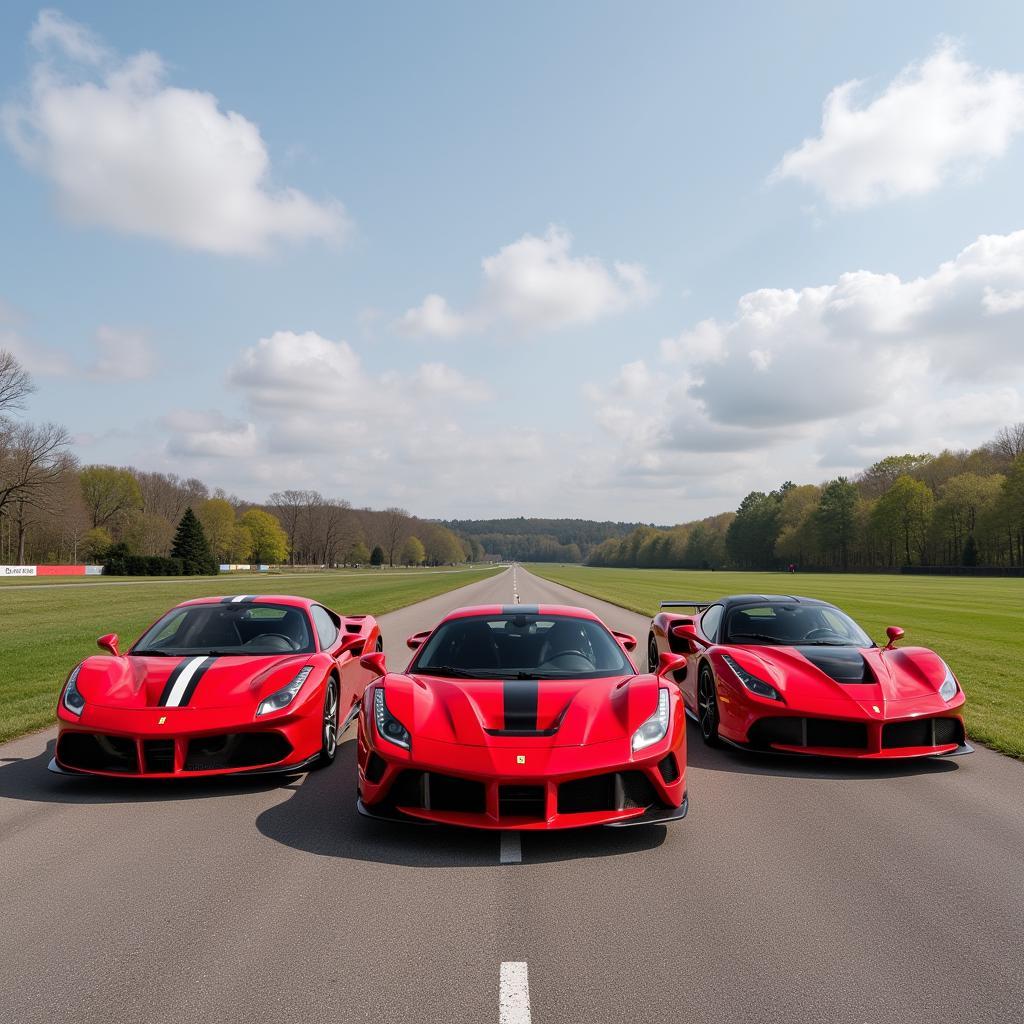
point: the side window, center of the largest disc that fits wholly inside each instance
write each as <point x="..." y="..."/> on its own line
<point x="709" y="621"/>
<point x="326" y="627"/>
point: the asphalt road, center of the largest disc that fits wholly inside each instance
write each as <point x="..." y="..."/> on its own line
<point x="793" y="891"/>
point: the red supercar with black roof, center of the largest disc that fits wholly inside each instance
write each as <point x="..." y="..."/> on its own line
<point x="797" y="675"/>
<point x="522" y="717"/>
<point x="218" y="685"/>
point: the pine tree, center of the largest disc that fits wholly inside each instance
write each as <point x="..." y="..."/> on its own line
<point x="190" y="545"/>
<point x="377" y="558"/>
<point x="970" y="555"/>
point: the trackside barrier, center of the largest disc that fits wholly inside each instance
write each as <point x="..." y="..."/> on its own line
<point x="50" y="570"/>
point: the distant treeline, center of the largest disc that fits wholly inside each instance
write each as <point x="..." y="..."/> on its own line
<point x="539" y="540"/>
<point x="958" y="508"/>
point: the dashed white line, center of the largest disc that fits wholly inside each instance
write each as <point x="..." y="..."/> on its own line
<point x="514" y="994"/>
<point x="511" y="851"/>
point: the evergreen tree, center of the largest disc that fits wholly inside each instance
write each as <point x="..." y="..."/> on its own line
<point x="970" y="555"/>
<point x="377" y="558"/>
<point x="190" y="545"/>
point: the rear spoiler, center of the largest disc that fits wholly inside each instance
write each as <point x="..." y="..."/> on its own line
<point x="699" y="605"/>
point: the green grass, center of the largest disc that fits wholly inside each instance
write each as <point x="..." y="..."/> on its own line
<point x="976" y="624"/>
<point x="45" y="631"/>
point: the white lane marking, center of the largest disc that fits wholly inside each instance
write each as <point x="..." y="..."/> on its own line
<point x="511" y="848"/>
<point x="181" y="683"/>
<point x="514" y="994"/>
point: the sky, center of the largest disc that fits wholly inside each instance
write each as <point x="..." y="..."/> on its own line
<point x="591" y="259"/>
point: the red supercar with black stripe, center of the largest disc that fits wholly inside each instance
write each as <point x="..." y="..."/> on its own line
<point x="522" y="717"/>
<point x="219" y="685"/>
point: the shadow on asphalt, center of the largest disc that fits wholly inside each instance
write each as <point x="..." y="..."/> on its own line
<point x="729" y="759"/>
<point x="28" y="779"/>
<point x="321" y="818"/>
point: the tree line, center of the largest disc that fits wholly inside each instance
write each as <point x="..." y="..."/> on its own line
<point x="955" y="509"/>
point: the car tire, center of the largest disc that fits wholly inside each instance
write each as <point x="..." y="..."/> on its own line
<point x="707" y="706"/>
<point x="329" y="725"/>
<point x="652" y="654"/>
<point x="380" y="643"/>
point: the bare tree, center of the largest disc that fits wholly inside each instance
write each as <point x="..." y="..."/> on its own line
<point x="15" y="383"/>
<point x="396" y="526"/>
<point x="291" y="507"/>
<point x="1008" y="443"/>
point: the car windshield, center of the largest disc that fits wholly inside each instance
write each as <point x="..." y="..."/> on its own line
<point x="529" y="646"/>
<point x="789" y="624"/>
<point x="228" y="629"/>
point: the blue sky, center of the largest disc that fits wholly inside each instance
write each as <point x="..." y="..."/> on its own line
<point x="541" y="259"/>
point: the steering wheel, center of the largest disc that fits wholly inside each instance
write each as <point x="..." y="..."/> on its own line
<point x="566" y="653"/>
<point x="820" y="632"/>
<point x="276" y="636"/>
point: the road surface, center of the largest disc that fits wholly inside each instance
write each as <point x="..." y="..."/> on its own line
<point x="794" y="891"/>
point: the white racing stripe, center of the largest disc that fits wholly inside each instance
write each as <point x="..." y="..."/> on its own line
<point x="241" y="597"/>
<point x="511" y="851"/>
<point x="181" y="683"/>
<point x="514" y="994"/>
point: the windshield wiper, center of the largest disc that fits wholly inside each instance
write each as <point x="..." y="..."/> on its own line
<point x="448" y="670"/>
<point x="153" y="653"/>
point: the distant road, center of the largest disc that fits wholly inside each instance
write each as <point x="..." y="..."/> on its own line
<point x="795" y="891"/>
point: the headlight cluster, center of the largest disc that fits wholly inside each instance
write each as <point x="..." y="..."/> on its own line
<point x="72" y="700"/>
<point x="283" y="697"/>
<point x="388" y="727"/>
<point x="656" y="727"/>
<point x="947" y="691"/>
<point x="750" y="681"/>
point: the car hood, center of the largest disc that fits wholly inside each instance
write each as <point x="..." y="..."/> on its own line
<point x="871" y="677"/>
<point x="544" y="712"/>
<point x="131" y="681"/>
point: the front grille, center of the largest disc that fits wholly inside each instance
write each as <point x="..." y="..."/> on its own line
<point x="809" y="732"/>
<point x="94" y="752"/>
<point x="436" y="792"/>
<point x="919" y="733"/>
<point x="236" y="750"/>
<point x="834" y="732"/>
<point x="521" y="802"/>
<point x="158" y="755"/>
<point x="615" y="791"/>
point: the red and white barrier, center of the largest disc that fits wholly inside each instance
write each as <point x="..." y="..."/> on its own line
<point x="50" y="570"/>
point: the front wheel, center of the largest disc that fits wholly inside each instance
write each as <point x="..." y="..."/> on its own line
<point x="329" y="728"/>
<point x="652" y="654"/>
<point x="707" y="706"/>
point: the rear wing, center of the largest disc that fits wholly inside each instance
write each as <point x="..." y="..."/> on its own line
<point x="699" y="605"/>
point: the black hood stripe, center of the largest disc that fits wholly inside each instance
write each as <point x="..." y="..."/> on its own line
<point x="182" y="682"/>
<point x="520" y="702"/>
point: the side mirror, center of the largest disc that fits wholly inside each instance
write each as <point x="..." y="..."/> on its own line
<point x="894" y="633"/>
<point x="626" y="639"/>
<point x="109" y="643"/>
<point x="353" y="643"/>
<point x="670" y="662"/>
<point x="416" y="640"/>
<point x="374" y="663"/>
<point x="686" y="631"/>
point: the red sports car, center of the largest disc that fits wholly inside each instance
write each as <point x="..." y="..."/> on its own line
<point x="522" y="717"/>
<point x="218" y="685"/>
<point x="797" y="675"/>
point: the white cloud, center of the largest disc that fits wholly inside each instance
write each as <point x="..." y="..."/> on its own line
<point x="125" y="150"/>
<point x="122" y="354"/>
<point x="535" y="284"/>
<point x="936" y="119"/>
<point x="800" y="382"/>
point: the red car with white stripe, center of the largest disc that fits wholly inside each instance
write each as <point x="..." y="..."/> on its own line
<point x="523" y="717"/>
<point x="219" y="685"/>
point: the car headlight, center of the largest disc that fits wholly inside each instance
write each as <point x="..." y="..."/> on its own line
<point x="388" y="727"/>
<point x="283" y="697"/>
<point x="750" y="681"/>
<point x="947" y="691"/>
<point x="656" y="727"/>
<point x="72" y="700"/>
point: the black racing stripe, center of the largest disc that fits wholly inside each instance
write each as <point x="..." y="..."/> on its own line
<point x="520" y="700"/>
<point x="520" y="609"/>
<point x="171" y="680"/>
<point x="226" y="600"/>
<point x="194" y="681"/>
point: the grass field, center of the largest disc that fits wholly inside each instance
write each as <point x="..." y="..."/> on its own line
<point x="976" y="624"/>
<point x="46" y="629"/>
